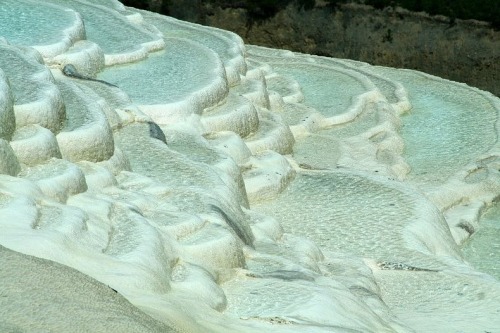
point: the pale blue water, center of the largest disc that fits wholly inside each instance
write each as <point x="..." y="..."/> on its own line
<point x="40" y="25"/>
<point x="329" y="91"/>
<point x="482" y="250"/>
<point x="151" y="81"/>
<point x="222" y="46"/>
<point x="113" y="34"/>
<point x="344" y="212"/>
<point x="448" y="127"/>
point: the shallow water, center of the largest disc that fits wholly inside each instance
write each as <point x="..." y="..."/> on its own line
<point x="150" y="81"/>
<point x="448" y="127"/>
<point x="482" y="250"/>
<point x="33" y="26"/>
<point x="111" y="32"/>
<point x="329" y="91"/>
<point x="349" y="213"/>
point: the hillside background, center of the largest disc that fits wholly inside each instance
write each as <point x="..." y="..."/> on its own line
<point x="454" y="39"/>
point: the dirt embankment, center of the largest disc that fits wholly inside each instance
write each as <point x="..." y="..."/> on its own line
<point x="464" y="51"/>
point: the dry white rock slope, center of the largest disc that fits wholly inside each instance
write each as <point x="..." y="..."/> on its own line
<point x="204" y="185"/>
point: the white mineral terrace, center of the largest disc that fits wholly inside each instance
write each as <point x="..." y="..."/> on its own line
<point x="177" y="180"/>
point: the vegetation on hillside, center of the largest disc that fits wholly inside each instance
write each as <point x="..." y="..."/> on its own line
<point x="483" y="10"/>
